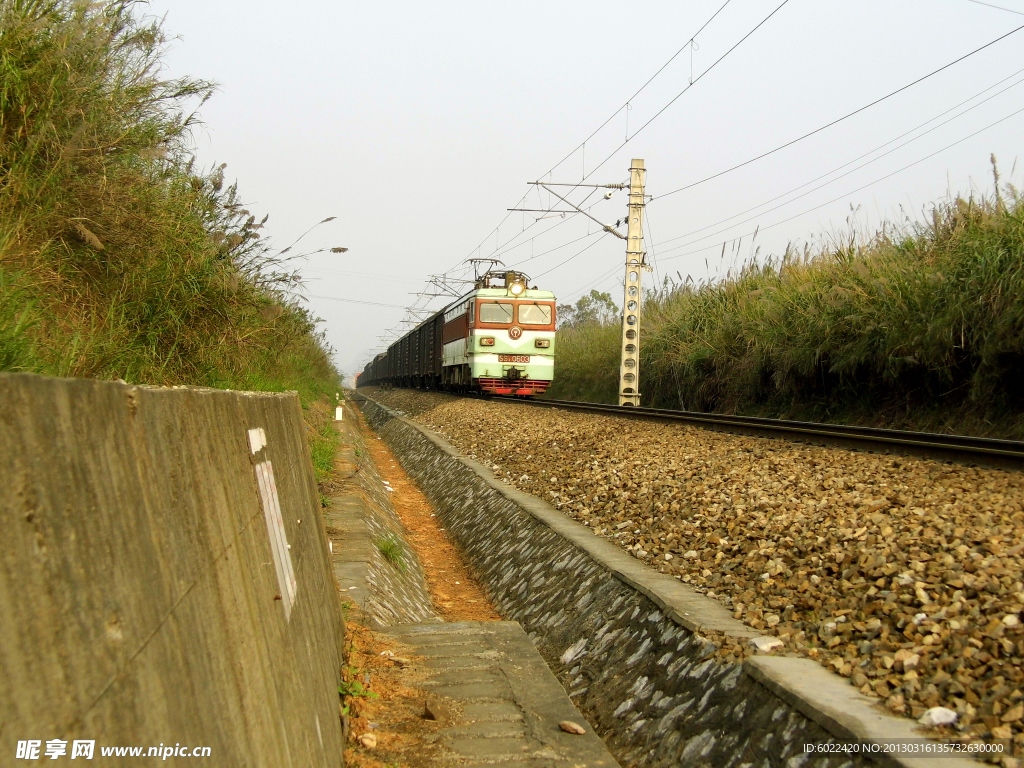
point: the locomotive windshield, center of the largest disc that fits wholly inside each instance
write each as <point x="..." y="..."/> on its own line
<point x="495" y="312"/>
<point x="535" y="314"/>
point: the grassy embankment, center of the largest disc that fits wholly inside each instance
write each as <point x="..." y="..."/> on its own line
<point x="920" y="330"/>
<point x="118" y="258"/>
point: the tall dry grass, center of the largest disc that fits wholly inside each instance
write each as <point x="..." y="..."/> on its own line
<point x="923" y="329"/>
<point x="119" y="258"/>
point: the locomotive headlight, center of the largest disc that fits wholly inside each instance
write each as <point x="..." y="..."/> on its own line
<point x="487" y="341"/>
<point x="515" y="282"/>
<point x="542" y="343"/>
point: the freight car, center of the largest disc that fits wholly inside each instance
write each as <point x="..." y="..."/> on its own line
<point x="499" y="338"/>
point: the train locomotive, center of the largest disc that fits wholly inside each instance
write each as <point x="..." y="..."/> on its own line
<point x="499" y="338"/>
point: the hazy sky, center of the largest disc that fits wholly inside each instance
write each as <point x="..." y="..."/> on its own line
<point x="419" y="124"/>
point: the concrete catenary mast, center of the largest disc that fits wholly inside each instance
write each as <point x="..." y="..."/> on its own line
<point x="636" y="263"/>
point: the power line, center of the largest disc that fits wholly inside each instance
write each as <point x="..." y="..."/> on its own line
<point x="506" y="248"/>
<point x="651" y="244"/>
<point x="1010" y="10"/>
<point x="602" y="278"/>
<point x="669" y="104"/>
<point x="639" y="90"/>
<point x="688" y="87"/>
<point x="713" y="65"/>
<point x="499" y="248"/>
<point x="578" y="253"/>
<point x="497" y="228"/>
<point x="356" y="301"/>
<point x="851" y="162"/>
<point x="552" y="250"/>
<point x="595" y="132"/>
<point x="614" y="269"/>
<point x="852" y="192"/>
<point x="363" y="275"/>
<point x="839" y="120"/>
<point x="506" y="217"/>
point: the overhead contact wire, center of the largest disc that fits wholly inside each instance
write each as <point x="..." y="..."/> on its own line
<point x="851" y="162"/>
<point x="578" y="253"/>
<point x="838" y="120"/>
<point x="852" y="192"/>
<point x="596" y="131"/>
<point x="612" y="116"/>
<point x="999" y="7"/>
<point x="357" y="301"/>
<point x="638" y="92"/>
<point x="688" y="87"/>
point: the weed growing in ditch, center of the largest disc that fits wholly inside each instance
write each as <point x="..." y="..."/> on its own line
<point x="323" y="445"/>
<point x="391" y="549"/>
<point x="355" y="688"/>
<point x="352" y="687"/>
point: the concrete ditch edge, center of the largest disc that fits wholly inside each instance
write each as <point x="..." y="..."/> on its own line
<point x="827" y="702"/>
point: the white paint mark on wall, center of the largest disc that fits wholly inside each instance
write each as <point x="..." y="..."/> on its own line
<point x="279" y="545"/>
<point x="257" y="440"/>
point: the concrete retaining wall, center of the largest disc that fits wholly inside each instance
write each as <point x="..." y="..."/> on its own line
<point x="626" y="642"/>
<point x="144" y="584"/>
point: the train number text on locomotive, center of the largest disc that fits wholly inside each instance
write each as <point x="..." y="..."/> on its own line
<point x="513" y="358"/>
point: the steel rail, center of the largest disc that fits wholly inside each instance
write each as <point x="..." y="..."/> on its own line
<point x="961" y="449"/>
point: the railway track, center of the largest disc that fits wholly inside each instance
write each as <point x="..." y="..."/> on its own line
<point x="961" y="449"/>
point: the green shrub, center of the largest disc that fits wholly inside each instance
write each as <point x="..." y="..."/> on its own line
<point x="323" y="446"/>
<point x="587" y="362"/>
<point x="119" y="259"/>
<point x="930" y="321"/>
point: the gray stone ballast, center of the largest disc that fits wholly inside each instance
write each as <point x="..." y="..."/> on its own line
<point x="625" y="641"/>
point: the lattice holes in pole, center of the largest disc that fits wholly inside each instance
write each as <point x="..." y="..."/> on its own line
<point x="629" y="369"/>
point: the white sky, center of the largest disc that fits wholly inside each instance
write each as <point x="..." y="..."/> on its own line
<point x="418" y="124"/>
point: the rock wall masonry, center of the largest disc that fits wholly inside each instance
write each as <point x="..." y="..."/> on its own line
<point x="139" y="599"/>
<point x="625" y="641"/>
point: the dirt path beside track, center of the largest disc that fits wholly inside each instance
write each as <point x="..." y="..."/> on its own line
<point x="455" y="593"/>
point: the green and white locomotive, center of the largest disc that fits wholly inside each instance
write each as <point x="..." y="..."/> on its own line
<point x="499" y="338"/>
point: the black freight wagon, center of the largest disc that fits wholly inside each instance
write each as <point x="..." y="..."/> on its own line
<point x="415" y="359"/>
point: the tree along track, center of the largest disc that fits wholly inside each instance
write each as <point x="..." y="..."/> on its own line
<point x="962" y="449"/>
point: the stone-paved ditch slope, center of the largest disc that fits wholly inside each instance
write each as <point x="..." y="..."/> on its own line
<point x="375" y="566"/>
<point x="627" y="642"/>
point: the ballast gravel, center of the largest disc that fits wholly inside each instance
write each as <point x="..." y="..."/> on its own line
<point x="903" y="575"/>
